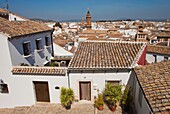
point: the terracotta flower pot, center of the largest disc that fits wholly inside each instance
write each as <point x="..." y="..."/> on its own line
<point x="112" y="107"/>
<point x="68" y="107"/>
<point x="100" y="108"/>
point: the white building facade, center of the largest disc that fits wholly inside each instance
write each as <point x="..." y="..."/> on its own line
<point x="89" y="70"/>
<point x="27" y="43"/>
<point x="27" y="88"/>
<point x="95" y="81"/>
<point x="39" y="49"/>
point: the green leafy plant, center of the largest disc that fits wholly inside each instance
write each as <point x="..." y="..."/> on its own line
<point x="66" y="97"/>
<point x="24" y="64"/>
<point x="99" y="101"/>
<point x="112" y="94"/>
<point x="126" y="98"/>
<point x="53" y="64"/>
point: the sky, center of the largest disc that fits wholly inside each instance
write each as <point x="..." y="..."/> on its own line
<point x="61" y="10"/>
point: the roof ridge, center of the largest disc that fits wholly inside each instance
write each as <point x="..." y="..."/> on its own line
<point x="138" y="55"/>
<point x="25" y="70"/>
<point x="129" y="42"/>
<point x="40" y="67"/>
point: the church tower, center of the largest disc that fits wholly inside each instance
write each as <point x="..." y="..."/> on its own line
<point x="82" y="21"/>
<point x="88" y="20"/>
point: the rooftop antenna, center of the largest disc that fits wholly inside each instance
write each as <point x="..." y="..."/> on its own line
<point x="88" y="8"/>
<point x="7" y="7"/>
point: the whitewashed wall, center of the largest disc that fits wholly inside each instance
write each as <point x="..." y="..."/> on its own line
<point x="98" y="80"/>
<point x="144" y="108"/>
<point x="22" y="92"/>
<point x="128" y="32"/>
<point x="5" y="68"/>
<point x="12" y="17"/>
<point x="151" y="59"/>
<point x="5" y="59"/>
<point x="21" y="88"/>
<point x="36" y="58"/>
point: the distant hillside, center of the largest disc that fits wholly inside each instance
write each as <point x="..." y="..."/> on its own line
<point x="156" y="20"/>
<point x="79" y="20"/>
<point x="43" y="20"/>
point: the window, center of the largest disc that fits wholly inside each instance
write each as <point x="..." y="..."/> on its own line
<point x="113" y="82"/>
<point x="165" y="58"/>
<point x="140" y="97"/>
<point x="38" y="44"/>
<point x="26" y="48"/>
<point x="63" y="63"/>
<point x="47" y="41"/>
<point x="3" y="87"/>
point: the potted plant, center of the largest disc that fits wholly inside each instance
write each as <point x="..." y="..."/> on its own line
<point x="66" y="97"/>
<point x="126" y="99"/>
<point x="99" y="103"/>
<point x="112" y="94"/>
<point x="112" y="105"/>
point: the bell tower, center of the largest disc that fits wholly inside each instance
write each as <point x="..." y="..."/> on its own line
<point x="88" y="20"/>
<point x="82" y="21"/>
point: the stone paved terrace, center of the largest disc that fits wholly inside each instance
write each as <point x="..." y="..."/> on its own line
<point x="47" y="108"/>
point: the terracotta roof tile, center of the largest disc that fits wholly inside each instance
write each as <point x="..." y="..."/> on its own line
<point x="38" y="70"/>
<point x="95" y="32"/>
<point x="73" y="49"/>
<point x="155" y="82"/>
<point x="158" y="49"/>
<point x="3" y="10"/>
<point x="105" y="55"/>
<point x="164" y="34"/>
<point x="20" y="28"/>
<point x="60" y="42"/>
<point x="115" y="35"/>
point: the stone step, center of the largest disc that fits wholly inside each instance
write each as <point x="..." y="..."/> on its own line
<point x="42" y="104"/>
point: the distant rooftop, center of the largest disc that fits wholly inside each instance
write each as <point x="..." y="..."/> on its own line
<point x="158" y="49"/>
<point x="3" y="10"/>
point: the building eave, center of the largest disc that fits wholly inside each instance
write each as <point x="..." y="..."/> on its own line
<point x="19" y="36"/>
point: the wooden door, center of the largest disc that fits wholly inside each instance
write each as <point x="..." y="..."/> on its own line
<point x="85" y="90"/>
<point x="42" y="91"/>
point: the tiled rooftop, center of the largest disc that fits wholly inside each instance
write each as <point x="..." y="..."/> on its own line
<point x="164" y="34"/>
<point x="155" y="81"/>
<point x="105" y="55"/>
<point x="3" y="11"/>
<point x="158" y="49"/>
<point x="38" y="70"/>
<point x="95" y="32"/>
<point x="19" y="28"/>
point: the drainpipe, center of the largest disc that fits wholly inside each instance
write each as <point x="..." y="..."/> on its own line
<point x="68" y="79"/>
<point x="52" y="42"/>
